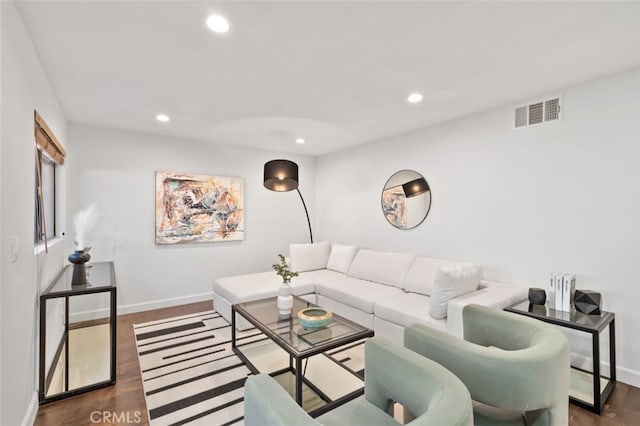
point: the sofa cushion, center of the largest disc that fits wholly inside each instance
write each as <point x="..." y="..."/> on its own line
<point x="451" y="282"/>
<point x="243" y="288"/>
<point x="320" y="276"/>
<point x="354" y="292"/>
<point x="423" y="272"/>
<point x="309" y="257"/>
<point x="381" y="267"/>
<point x="341" y="257"/>
<point x="408" y="308"/>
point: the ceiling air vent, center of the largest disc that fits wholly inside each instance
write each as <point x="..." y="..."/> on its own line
<point x="538" y="112"/>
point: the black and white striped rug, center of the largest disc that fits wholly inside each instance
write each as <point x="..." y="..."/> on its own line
<point x="191" y="376"/>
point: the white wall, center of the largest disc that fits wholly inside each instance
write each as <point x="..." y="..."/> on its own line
<point x="2" y="240"/>
<point x="523" y="203"/>
<point x="116" y="170"/>
<point x="24" y="88"/>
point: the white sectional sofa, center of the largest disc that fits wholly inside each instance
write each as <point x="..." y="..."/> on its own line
<point x="379" y="290"/>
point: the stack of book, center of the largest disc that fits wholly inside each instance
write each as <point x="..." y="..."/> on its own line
<point x="562" y="287"/>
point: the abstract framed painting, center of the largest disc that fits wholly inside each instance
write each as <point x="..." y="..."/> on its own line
<point x="193" y="208"/>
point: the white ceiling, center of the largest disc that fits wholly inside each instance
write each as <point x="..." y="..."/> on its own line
<point x="334" y="73"/>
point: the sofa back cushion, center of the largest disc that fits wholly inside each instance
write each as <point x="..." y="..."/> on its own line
<point x="341" y="257"/>
<point x="423" y="273"/>
<point x="309" y="257"/>
<point x="381" y="267"/>
<point x="452" y="282"/>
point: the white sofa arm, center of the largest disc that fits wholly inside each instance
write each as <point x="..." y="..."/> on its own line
<point x="495" y="295"/>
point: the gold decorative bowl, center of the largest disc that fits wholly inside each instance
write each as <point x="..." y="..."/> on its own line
<point x="314" y="318"/>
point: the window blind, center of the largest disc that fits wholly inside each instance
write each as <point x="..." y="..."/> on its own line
<point x="47" y="142"/>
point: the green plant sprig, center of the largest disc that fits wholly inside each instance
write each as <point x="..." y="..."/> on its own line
<point x="283" y="270"/>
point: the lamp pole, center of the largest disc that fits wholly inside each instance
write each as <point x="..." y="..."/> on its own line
<point x="307" y="213"/>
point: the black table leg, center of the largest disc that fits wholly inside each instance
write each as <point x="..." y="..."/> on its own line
<point x="299" y="381"/>
<point x="596" y="371"/>
<point x="612" y="350"/>
<point x="233" y="328"/>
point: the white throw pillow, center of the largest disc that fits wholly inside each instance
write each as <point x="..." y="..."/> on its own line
<point x="422" y="274"/>
<point x="341" y="257"/>
<point x="309" y="257"/>
<point x="452" y="282"/>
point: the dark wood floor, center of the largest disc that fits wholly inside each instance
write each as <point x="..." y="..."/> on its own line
<point x="124" y="402"/>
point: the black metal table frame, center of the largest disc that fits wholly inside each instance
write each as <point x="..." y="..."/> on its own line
<point x="65" y="337"/>
<point x="297" y="358"/>
<point x="599" y="395"/>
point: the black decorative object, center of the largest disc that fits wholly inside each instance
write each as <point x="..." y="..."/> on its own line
<point x="415" y="187"/>
<point x="79" y="258"/>
<point x="537" y="296"/>
<point x="282" y="176"/>
<point x="588" y="302"/>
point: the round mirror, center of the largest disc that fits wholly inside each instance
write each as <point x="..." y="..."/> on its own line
<point x="406" y="199"/>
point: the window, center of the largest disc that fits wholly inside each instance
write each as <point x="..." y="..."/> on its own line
<point x="49" y="156"/>
<point x="45" y="206"/>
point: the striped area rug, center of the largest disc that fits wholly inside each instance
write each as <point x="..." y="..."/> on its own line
<point x="191" y="376"/>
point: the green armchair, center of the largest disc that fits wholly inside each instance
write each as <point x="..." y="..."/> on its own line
<point x="392" y="373"/>
<point x="516" y="368"/>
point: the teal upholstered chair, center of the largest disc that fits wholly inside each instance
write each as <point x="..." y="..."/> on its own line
<point x="516" y="368"/>
<point x="392" y="373"/>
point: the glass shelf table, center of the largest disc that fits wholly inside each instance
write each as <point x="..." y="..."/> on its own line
<point x="78" y="333"/>
<point x="600" y="386"/>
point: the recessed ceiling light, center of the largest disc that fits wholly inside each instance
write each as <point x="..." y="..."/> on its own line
<point x="218" y="23"/>
<point x="414" y="98"/>
<point x="300" y="141"/>
<point x="163" y="118"/>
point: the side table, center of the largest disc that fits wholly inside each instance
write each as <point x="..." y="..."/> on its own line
<point x="593" y="324"/>
<point x="77" y="350"/>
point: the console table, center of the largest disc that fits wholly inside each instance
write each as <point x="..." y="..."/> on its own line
<point x="78" y="333"/>
<point x="601" y="386"/>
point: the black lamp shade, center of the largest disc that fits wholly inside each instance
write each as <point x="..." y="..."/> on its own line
<point x="415" y="187"/>
<point x="281" y="175"/>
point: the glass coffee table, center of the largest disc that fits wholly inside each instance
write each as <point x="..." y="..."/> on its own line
<point x="300" y="344"/>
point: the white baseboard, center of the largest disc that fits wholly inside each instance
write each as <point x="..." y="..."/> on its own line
<point x="32" y="411"/>
<point x="165" y="303"/>
<point x="623" y="374"/>
<point x="628" y="376"/>
<point x="139" y="307"/>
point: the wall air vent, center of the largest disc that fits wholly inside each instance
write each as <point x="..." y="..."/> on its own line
<point x="535" y="113"/>
<point x="521" y="116"/>
<point x="552" y="109"/>
<point x="538" y="112"/>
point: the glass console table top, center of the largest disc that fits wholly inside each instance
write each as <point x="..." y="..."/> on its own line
<point x="573" y="319"/>
<point x="289" y="330"/>
<point x="99" y="275"/>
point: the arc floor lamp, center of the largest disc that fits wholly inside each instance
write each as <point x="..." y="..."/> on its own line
<point x="282" y="176"/>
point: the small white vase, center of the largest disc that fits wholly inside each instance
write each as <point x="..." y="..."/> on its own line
<point x="285" y="300"/>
